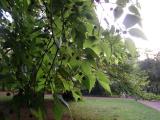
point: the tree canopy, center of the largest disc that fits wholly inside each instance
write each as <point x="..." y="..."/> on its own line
<point x="57" y="46"/>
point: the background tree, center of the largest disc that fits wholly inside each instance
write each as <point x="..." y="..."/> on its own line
<point x="152" y="67"/>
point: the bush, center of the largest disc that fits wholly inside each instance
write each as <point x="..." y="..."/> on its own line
<point x="149" y="96"/>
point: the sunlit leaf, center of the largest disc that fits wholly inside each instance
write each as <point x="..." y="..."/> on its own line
<point x="131" y="46"/>
<point x="134" y="10"/>
<point x="90" y="53"/>
<point x="122" y="2"/>
<point x="92" y="80"/>
<point x="103" y="80"/>
<point x="135" y="32"/>
<point x="118" y="11"/>
<point x="76" y="95"/>
<point x="39" y="113"/>
<point x="86" y="68"/>
<point x="130" y="20"/>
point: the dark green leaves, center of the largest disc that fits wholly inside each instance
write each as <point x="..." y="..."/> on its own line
<point x="89" y="79"/>
<point x="130" y="20"/>
<point x="78" y="33"/>
<point x="90" y="54"/>
<point x="118" y="11"/>
<point x="103" y="80"/>
<point x="137" y="33"/>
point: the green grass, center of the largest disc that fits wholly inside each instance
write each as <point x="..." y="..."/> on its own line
<point x="112" y="109"/>
<point x="107" y="109"/>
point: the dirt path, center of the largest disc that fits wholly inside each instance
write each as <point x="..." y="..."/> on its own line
<point x="152" y="104"/>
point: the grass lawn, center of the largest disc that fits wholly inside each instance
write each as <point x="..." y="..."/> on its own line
<point x="106" y="109"/>
<point x="112" y="109"/>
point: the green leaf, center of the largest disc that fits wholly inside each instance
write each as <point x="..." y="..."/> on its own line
<point x="134" y="10"/>
<point x="81" y="27"/>
<point x="135" y="32"/>
<point x="130" y="20"/>
<point x="89" y="78"/>
<point x="106" y="48"/>
<point x="90" y="53"/>
<point x="130" y="46"/>
<point x="86" y="82"/>
<point x="58" y="109"/>
<point x="118" y="11"/>
<point x="76" y="95"/>
<point x="103" y="80"/>
<point x="64" y="73"/>
<point x="79" y="37"/>
<point x="86" y="68"/>
<point x="92" y="81"/>
<point x="79" y="3"/>
<point x="39" y="113"/>
<point x="68" y="85"/>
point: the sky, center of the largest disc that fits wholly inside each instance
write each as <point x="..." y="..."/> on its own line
<point x="150" y="21"/>
<point x="151" y="24"/>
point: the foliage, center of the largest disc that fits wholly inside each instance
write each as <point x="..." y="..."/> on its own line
<point x="152" y="67"/>
<point x="128" y="80"/>
<point x="124" y="17"/>
<point x="54" y="46"/>
<point x="149" y="96"/>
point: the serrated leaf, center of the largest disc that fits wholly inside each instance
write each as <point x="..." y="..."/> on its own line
<point x="118" y="11"/>
<point x="92" y="81"/>
<point x="86" y="68"/>
<point x="103" y="80"/>
<point x="134" y="10"/>
<point x="90" y="53"/>
<point x="68" y="85"/>
<point x="89" y="79"/>
<point x="106" y="49"/>
<point x="86" y="82"/>
<point x="79" y="38"/>
<point x="135" y="32"/>
<point x="81" y="27"/>
<point x="130" y="20"/>
<point x="75" y="95"/>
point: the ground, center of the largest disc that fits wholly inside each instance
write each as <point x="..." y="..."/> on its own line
<point x="96" y="108"/>
<point x="112" y="109"/>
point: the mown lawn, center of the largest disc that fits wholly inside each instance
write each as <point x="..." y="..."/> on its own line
<point x="112" y="109"/>
<point x="107" y="109"/>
